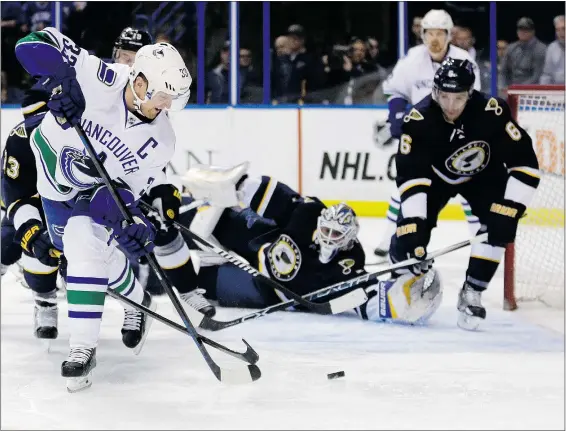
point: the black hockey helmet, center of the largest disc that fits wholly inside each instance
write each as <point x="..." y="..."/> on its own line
<point x="132" y="39"/>
<point x="35" y="101"/>
<point x="455" y="76"/>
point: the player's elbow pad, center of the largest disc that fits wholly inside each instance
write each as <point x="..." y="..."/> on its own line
<point x="414" y="196"/>
<point x="522" y="184"/>
<point x="23" y="210"/>
<point x="38" y="54"/>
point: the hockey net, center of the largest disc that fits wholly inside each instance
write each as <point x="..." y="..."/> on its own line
<point x="534" y="265"/>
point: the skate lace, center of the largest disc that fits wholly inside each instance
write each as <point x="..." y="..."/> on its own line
<point x="79" y="354"/>
<point x="195" y="299"/>
<point x="132" y="320"/>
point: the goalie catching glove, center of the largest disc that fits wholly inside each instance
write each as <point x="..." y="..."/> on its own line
<point x="135" y="238"/>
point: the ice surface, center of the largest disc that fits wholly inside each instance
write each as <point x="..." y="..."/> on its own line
<point x="508" y="376"/>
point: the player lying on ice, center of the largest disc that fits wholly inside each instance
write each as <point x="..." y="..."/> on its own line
<point x="296" y="241"/>
<point x="123" y="111"/>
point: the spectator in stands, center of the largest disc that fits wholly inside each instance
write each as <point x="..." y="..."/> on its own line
<point x="524" y="60"/>
<point x="372" y="46"/>
<point x="345" y="67"/>
<point x="218" y="79"/>
<point x="416" y="30"/>
<point x="298" y="73"/>
<point x="464" y="39"/>
<point x="282" y="46"/>
<point x="10" y="94"/>
<point x="250" y="81"/>
<point x="38" y="15"/>
<point x="553" y="72"/>
<point x="13" y="28"/>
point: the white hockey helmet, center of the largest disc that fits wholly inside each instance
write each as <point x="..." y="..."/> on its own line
<point x="437" y="19"/>
<point x="169" y="80"/>
<point x="337" y="229"/>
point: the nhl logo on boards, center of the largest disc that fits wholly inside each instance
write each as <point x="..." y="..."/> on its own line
<point x="469" y="159"/>
<point x="284" y="259"/>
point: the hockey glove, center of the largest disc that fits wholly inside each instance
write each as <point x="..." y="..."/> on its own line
<point x="502" y="222"/>
<point x="136" y="238"/>
<point x="166" y="198"/>
<point x="67" y="103"/>
<point x="413" y="236"/>
<point x="34" y="240"/>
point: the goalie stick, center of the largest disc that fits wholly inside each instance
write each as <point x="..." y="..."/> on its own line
<point x="211" y="324"/>
<point x="252" y="372"/>
<point x="334" y="306"/>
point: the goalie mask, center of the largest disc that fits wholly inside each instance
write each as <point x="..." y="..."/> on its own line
<point x="168" y="79"/>
<point x="337" y="229"/>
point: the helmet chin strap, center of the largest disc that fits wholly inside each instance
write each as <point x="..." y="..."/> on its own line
<point x="137" y="101"/>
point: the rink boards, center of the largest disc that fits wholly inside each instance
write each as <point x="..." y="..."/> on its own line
<point x="321" y="151"/>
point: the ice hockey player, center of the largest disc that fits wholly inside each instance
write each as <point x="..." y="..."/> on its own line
<point x="128" y="43"/>
<point x="20" y="194"/>
<point x="300" y="243"/>
<point x="127" y="122"/>
<point x="462" y="141"/>
<point x="24" y="235"/>
<point x="411" y="81"/>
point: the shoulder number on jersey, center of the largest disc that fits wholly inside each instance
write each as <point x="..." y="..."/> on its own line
<point x="413" y="115"/>
<point x="12" y="167"/>
<point x="493" y="105"/>
<point x="512" y="131"/>
<point x="405" y="144"/>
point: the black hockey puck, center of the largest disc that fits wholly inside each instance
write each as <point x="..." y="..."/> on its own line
<point x="336" y="375"/>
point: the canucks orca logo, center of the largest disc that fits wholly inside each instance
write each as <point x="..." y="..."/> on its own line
<point x="469" y="159"/>
<point x="58" y="229"/>
<point x="71" y="160"/>
<point x="284" y="259"/>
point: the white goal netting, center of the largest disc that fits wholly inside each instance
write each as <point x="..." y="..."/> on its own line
<point x="539" y="246"/>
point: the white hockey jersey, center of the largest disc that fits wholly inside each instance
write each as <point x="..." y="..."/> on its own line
<point x="412" y="78"/>
<point x="137" y="152"/>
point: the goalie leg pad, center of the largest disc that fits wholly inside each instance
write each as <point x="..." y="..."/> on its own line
<point x="405" y="299"/>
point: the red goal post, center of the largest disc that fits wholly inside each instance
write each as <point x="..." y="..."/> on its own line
<point x="534" y="264"/>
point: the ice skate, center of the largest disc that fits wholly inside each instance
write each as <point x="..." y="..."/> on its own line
<point x="472" y="313"/>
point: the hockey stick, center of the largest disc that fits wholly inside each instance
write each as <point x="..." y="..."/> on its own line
<point x="252" y="372"/>
<point x="334" y="306"/>
<point x="205" y="322"/>
<point x="250" y="355"/>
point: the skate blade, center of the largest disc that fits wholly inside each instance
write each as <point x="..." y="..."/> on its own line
<point x="46" y="344"/>
<point x="77" y="384"/>
<point x="469" y="323"/>
<point x="148" y="322"/>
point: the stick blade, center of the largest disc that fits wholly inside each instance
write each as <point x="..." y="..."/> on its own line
<point x="346" y="302"/>
<point x="239" y="376"/>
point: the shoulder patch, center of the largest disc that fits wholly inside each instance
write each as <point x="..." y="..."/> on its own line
<point x="413" y="115"/>
<point x="493" y="105"/>
<point x="19" y="131"/>
<point x="284" y="258"/>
